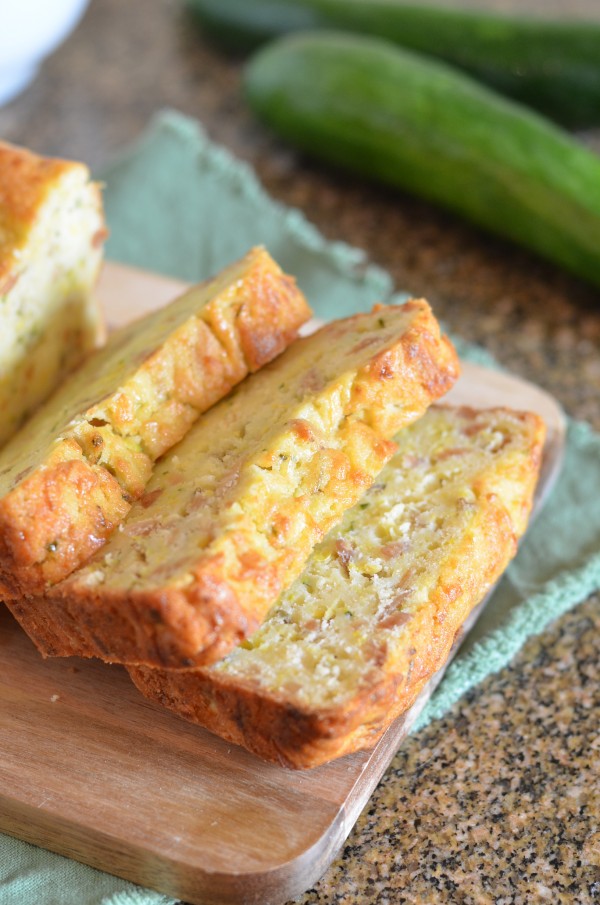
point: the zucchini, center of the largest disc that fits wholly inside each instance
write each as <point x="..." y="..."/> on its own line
<point x="418" y="124"/>
<point x="551" y="65"/>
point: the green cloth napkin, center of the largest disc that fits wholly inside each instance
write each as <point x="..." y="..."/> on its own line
<point x="179" y="204"/>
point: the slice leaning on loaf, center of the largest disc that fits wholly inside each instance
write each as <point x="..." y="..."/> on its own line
<point x="232" y="513"/>
<point x="70" y="475"/>
<point x="51" y="237"/>
<point x="352" y="642"/>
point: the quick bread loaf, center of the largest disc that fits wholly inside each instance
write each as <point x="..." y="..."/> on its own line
<point x="51" y="237"/>
<point x="71" y="474"/>
<point x="232" y="513"/>
<point x="288" y="570"/>
<point x="349" y="646"/>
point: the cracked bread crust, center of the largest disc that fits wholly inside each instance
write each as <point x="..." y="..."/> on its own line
<point x="26" y="181"/>
<point x="354" y="640"/>
<point x="51" y="236"/>
<point x="232" y="513"/>
<point x="71" y="474"/>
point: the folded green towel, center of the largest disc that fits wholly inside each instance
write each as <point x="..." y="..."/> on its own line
<point x="178" y="204"/>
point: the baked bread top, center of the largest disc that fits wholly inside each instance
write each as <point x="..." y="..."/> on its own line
<point x="51" y="237"/>
<point x="232" y="513"/>
<point x="70" y="475"/>
<point x="375" y="612"/>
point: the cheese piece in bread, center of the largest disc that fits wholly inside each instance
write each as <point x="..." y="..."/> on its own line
<point x="70" y="475"/>
<point x="51" y="236"/>
<point x="232" y="513"/>
<point x="352" y="642"/>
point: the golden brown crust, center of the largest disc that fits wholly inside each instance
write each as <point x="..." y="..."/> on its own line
<point x="263" y="332"/>
<point x="53" y="518"/>
<point x="225" y="594"/>
<point x="271" y="724"/>
<point x="51" y="236"/>
<point x="68" y="500"/>
<point x="26" y="179"/>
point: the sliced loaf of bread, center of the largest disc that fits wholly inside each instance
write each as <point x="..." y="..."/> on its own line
<point x="349" y="646"/>
<point x="51" y="237"/>
<point x="232" y="513"/>
<point x="71" y="474"/>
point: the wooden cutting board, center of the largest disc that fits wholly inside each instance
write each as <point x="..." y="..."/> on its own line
<point x="91" y="770"/>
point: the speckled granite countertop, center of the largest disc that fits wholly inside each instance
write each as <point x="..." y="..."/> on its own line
<point x="500" y="801"/>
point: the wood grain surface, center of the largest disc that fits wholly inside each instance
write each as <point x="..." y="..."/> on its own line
<point x="90" y="769"/>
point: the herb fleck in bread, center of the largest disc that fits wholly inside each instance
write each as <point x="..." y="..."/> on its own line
<point x="51" y="236"/>
<point x="352" y="642"/>
<point x="232" y="513"/>
<point x="70" y="475"/>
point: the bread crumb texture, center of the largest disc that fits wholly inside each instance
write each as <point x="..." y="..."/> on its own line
<point x="232" y="513"/>
<point x="71" y="474"/>
<point x="51" y="237"/>
<point x="352" y="642"/>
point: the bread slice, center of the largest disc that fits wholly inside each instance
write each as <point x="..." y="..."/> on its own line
<point x="352" y="642"/>
<point x="51" y="236"/>
<point x="72" y="473"/>
<point x="232" y="513"/>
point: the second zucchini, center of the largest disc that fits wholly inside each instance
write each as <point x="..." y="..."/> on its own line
<point x="550" y="64"/>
